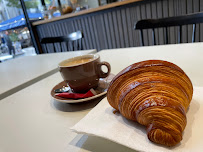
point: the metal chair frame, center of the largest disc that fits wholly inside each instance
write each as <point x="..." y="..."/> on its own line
<point x="194" y="19"/>
<point x="73" y="41"/>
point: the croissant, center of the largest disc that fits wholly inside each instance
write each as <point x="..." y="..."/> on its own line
<point x="156" y="94"/>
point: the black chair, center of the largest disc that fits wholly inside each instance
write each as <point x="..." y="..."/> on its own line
<point x="72" y="41"/>
<point x="168" y="22"/>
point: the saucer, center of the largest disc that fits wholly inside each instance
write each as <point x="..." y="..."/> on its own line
<point x="100" y="90"/>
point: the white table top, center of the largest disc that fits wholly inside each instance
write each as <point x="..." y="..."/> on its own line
<point x="31" y="121"/>
<point x="187" y="56"/>
<point x="21" y="72"/>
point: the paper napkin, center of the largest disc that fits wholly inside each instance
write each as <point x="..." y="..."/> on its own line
<point x="102" y="122"/>
<point x="69" y="95"/>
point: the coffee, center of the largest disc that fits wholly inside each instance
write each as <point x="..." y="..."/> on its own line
<point x="77" y="61"/>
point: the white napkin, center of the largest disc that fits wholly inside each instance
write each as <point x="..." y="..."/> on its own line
<point x="102" y="122"/>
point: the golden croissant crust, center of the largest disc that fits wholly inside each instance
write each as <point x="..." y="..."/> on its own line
<point x="156" y="94"/>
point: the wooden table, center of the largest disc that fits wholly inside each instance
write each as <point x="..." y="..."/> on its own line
<point x="22" y="72"/>
<point x="31" y="121"/>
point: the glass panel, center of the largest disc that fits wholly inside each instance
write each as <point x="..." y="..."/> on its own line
<point x="15" y="39"/>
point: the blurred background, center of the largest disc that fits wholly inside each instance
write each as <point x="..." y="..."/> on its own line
<point x="15" y="39"/>
<point x="105" y="24"/>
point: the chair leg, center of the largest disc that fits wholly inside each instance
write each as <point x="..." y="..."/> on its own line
<point x="180" y="35"/>
<point x="142" y="39"/>
<point x="73" y="46"/>
<point x="54" y="48"/>
<point x="67" y="46"/>
<point x="47" y="49"/>
<point x="153" y="36"/>
<point x="61" y="46"/>
<point x="166" y="35"/>
<point x="193" y="33"/>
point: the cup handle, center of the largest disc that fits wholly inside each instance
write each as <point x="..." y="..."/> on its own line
<point x="101" y="73"/>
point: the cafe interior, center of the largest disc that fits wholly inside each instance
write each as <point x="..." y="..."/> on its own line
<point x="101" y="76"/>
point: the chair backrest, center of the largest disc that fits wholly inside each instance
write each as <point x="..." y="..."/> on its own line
<point x="194" y="19"/>
<point x="72" y="42"/>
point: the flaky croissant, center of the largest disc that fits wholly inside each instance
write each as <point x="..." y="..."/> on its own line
<point x="156" y="94"/>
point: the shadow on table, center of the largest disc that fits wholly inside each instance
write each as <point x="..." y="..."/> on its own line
<point x="72" y="107"/>
<point x="98" y="144"/>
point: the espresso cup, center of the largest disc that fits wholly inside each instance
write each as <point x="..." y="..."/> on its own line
<point x="83" y="72"/>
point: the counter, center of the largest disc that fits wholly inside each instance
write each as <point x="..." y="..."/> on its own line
<point x="112" y="25"/>
<point x="91" y="10"/>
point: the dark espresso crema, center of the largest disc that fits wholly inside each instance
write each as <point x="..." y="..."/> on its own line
<point x="77" y="61"/>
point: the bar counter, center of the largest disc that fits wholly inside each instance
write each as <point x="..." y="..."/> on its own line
<point x="91" y="10"/>
<point x="112" y="25"/>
